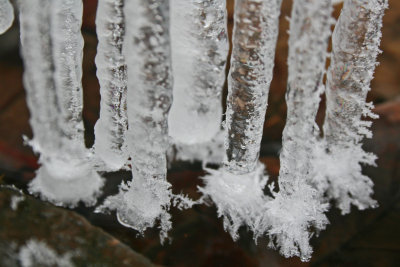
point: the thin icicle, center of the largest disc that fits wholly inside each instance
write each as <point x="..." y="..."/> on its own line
<point x="111" y="127"/>
<point x="6" y="15"/>
<point x="237" y="188"/>
<point x="147" y="198"/>
<point x="199" y="41"/>
<point x="308" y="43"/>
<point x="355" y="47"/>
<point x="65" y="177"/>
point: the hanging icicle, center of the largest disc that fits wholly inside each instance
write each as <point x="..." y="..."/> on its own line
<point x="199" y="41"/>
<point x="147" y="198"/>
<point x="111" y="127"/>
<point x="297" y="207"/>
<point x="237" y="188"/>
<point x="6" y="15"/>
<point x="52" y="53"/>
<point x="355" y="47"/>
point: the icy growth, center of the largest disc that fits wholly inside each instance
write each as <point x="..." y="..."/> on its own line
<point x="309" y="35"/>
<point x="237" y="188"/>
<point x="6" y="15"/>
<point x="38" y="253"/>
<point x="147" y="198"/>
<point x="52" y="52"/>
<point x="355" y="47"/>
<point x="238" y="197"/>
<point x="111" y="127"/>
<point x="199" y="45"/>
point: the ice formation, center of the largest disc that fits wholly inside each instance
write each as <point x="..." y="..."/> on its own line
<point x="308" y="43"/>
<point x="147" y="198"/>
<point x="52" y="52"/>
<point x="111" y="127"/>
<point x="355" y="46"/>
<point x="6" y="15"/>
<point x="254" y="39"/>
<point x="199" y="42"/>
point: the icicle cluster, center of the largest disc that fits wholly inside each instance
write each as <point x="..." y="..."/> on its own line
<point x="355" y="46"/>
<point x="254" y="39"/>
<point x="111" y="127"/>
<point x="137" y="58"/>
<point x="52" y="51"/>
<point x="6" y="15"/>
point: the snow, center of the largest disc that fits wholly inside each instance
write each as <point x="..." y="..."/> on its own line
<point x="6" y="15"/>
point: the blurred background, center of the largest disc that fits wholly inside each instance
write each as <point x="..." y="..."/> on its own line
<point x="367" y="238"/>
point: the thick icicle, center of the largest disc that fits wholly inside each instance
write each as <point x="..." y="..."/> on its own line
<point x="111" y="127"/>
<point x="355" y="47"/>
<point x="199" y="52"/>
<point x="51" y="49"/>
<point x="6" y="15"/>
<point x="297" y="207"/>
<point x="237" y="188"/>
<point x="147" y="198"/>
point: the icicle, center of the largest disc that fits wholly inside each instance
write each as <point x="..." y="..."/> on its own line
<point x="6" y="15"/>
<point x="111" y="70"/>
<point x="147" y="198"/>
<point x="237" y="188"/>
<point x="297" y="199"/>
<point x="199" y="52"/>
<point x="355" y="47"/>
<point x="51" y="49"/>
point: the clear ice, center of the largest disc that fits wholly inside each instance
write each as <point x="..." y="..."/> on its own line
<point x="6" y="15"/>
<point x="355" y="47"/>
<point x="111" y="127"/>
<point x="52" y="51"/>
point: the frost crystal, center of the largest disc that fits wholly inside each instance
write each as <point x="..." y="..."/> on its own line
<point x="199" y="42"/>
<point x="309" y="35"/>
<point x="52" y="52"/>
<point x="147" y="198"/>
<point x="6" y="15"/>
<point x="111" y="127"/>
<point x="241" y="179"/>
<point x="355" y="41"/>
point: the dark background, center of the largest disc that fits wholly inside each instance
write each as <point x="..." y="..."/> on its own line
<point x="367" y="238"/>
